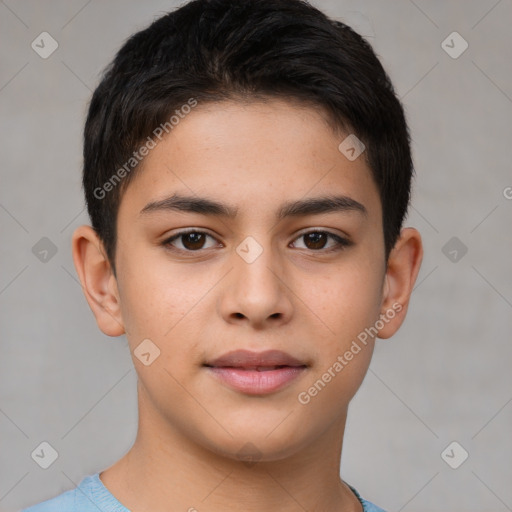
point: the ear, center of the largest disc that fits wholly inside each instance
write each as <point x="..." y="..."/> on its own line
<point x="98" y="281"/>
<point x="402" y="270"/>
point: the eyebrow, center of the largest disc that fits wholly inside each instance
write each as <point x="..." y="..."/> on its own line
<point x="302" y="207"/>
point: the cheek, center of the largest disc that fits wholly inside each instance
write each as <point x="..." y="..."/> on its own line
<point x="162" y="304"/>
<point x="347" y="304"/>
<point x="149" y="296"/>
<point x="345" y="300"/>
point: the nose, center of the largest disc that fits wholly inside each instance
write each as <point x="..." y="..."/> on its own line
<point x="257" y="292"/>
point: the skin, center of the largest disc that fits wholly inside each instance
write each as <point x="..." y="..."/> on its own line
<point x="194" y="306"/>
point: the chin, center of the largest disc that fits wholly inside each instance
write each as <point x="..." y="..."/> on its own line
<point x="255" y="444"/>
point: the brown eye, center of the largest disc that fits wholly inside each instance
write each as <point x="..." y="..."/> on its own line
<point x="189" y="241"/>
<point x="193" y="241"/>
<point x="315" y="240"/>
<point x="318" y="240"/>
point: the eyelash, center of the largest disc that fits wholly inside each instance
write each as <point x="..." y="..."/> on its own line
<point x="341" y="243"/>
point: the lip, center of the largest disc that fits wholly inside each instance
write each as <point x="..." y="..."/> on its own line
<point x="256" y="373"/>
<point x="247" y="359"/>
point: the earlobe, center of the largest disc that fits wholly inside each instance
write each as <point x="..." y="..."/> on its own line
<point x="98" y="281"/>
<point x="402" y="270"/>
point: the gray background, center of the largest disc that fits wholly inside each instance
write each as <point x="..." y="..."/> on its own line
<point x="444" y="377"/>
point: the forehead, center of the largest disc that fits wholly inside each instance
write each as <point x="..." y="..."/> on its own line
<point x="254" y="156"/>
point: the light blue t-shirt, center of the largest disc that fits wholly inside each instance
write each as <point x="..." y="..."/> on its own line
<point x="92" y="496"/>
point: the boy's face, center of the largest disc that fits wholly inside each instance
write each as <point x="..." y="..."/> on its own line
<point x="252" y="281"/>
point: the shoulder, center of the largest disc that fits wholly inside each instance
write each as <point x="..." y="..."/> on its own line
<point x="89" y="496"/>
<point x="370" y="507"/>
<point x="367" y="506"/>
<point x="64" y="501"/>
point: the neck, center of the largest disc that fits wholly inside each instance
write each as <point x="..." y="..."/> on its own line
<point x="165" y="470"/>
